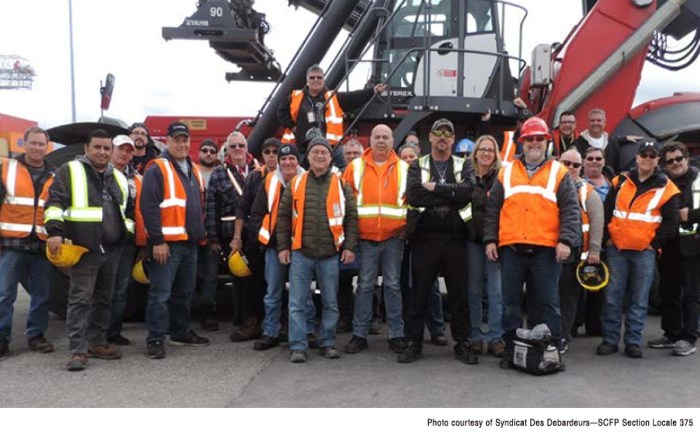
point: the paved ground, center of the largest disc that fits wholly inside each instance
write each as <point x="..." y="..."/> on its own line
<point x="233" y="375"/>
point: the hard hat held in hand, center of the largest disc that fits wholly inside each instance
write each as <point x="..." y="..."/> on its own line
<point x="139" y="274"/>
<point x="67" y="256"/>
<point x="238" y="265"/>
<point x="592" y="277"/>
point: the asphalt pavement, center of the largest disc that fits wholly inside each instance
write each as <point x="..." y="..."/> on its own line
<point x="229" y="374"/>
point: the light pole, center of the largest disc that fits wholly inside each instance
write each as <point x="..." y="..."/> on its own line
<point x="72" y="67"/>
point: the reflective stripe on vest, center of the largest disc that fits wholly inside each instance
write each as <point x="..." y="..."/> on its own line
<point x="458" y="164"/>
<point x="508" y="148"/>
<point x="18" y="214"/>
<point x="333" y="116"/>
<point x="583" y="193"/>
<point x="272" y="187"/>
<point x="548" y="193"/>
<point x="685" y="231"/>
<point x="173" y="208"/>
<point x="335" y="209"/>
<point x="393" y="211"/>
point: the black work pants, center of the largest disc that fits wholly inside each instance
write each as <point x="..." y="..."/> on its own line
<point x="691" y="298"/>
<point x="433" y="254"/>
<point x="671" y="285"/>
<point x="569" y="296"/>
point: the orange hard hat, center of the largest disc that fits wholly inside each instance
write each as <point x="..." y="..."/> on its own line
<point x="534" y="126"/>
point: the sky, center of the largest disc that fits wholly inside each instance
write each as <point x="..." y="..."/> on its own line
<point x="186" y="78"/>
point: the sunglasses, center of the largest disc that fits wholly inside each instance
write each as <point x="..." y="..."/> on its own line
<point x="534" y="138"/>
<point x="675" y="160"/>
<point x="443" y="133"/>
<point x="208" y="151"/>
<point x="270" y="152"/>
<point x="237" y="145"/>
<point x="594" y="158"/>
<point x="652" y="155"/>
<point x="568" y="163"/>
<point x="316" y="77"/>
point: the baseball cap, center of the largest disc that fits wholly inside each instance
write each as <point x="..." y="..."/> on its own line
<point x="649" y="144"/>
<point x="440" y="123"/>
<point x="121" y="140"/>
<point x="178" y="128"/>
<point x="208" y="142"/>
<point x="288" y="149"/>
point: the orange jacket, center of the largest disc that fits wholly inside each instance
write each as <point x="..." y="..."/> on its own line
<point x="635" y="219"/>
<point x="530" y="213"/>
<point x="333" y="116"/>
<point x="335" y="209"/>
<point x="18" y="213"/>
<point x="508" y="147"/>
<point x="141" y="238"/>
<point x="381" y="195"/>
<point x="273" y="189"/>
<point x="173" y="210"/>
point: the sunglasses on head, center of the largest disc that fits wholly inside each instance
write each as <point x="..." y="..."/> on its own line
<point x="675" y="160"/>
<point x="237" y="145"/>
<point x="568" y="163"/>
<point x="594" y="158"/>
<point x="651" y="155"/>
<point x="443" y="133"/>
<point x="270" y="152"/>
<point x="208" y="151"/>
<point x="534" y="138"/>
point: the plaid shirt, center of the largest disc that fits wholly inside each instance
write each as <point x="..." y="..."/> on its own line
<point x="221" y="202"/>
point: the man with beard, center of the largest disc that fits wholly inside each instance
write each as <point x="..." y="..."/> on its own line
<point x="208" y="159"/>
<point x="143" y="152"/>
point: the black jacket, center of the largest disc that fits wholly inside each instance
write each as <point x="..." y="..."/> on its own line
<point x="103" y="190"/>
<point x="479" y="197"/>
<point x="152" y="196"/>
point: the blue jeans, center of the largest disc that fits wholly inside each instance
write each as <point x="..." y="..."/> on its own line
<point x="544" y="270"/>
<point x="300" y="273"/>
<point x="388" y="254"/>
<point x="172" y="285"/>
<point x="12" y="264"/>
<point x="631" y="276"/>
<point x="275" y="273"/>
<point x="479" y="269"/>
<point x="121" y="287"/>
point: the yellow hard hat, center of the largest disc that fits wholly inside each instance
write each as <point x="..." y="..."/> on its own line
<point x="67" y="256"/>
<point x="238" y="265"/>
<point x="138" y="273"/>
<point x="592" y="277"/>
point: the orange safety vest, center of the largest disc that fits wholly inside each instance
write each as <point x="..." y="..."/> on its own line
<point x="381" y="197"/>
<point x="18" y="214"/>
<point x="335" y="209"/>
<point x="173" y="209"/>
<point x="583" y="193"/>
<point x="530" y="213"/>
<point x="333" y="116"/>
<point x="141" y="239"/>
<point x="273" y="188"/>
<point x="555" y="144"/>
<point x="635" y="220"/>
<point x="509" y="147"/>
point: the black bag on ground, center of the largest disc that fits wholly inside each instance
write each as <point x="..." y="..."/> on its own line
<point x="536" y="356"/>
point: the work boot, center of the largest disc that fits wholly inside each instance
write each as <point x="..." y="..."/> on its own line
<point x="397" y="345"/>
<point x="465" y="353"/>
<point x="77" y="362"/>
<point x="633" y="351"/>
<point x="497" y="347"/>
<point x="40" y="344"/>
<point x="250" y="330"/>
<point x="439" y="340"/>
<point x="209" y="322"/>
<point x="104" y="351"/>
<point x="412" y="353"/>
<point x="265" y="343"/>
<point x="118" y="339"/>
<point x="356" y="345"/>
<point x="606" y="349"/>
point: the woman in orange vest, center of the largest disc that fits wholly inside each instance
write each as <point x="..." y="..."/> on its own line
<point x="641" y="215"/>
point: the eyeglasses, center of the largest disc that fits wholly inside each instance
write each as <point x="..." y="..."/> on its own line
<point x="674" y="160"/>
<point x="270" y="152"/>
<point x="594" y="158"/>
<point x="532" y="138"/>
<point x="208" y="151"/>
<point x="652" y="155"/>
<point x="318" y="78"/>
<point x="237" y="145"/>
<point x="567" y="122"/>
<point x="487" y="151"/>
<point x="443" y="133"/>
<point x="139" y="134"/>
<point x="568" y="163"/>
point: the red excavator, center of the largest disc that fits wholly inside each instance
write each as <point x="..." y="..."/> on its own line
<point x="448" y="58"/>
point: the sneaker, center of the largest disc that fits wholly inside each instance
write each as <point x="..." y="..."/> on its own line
<point x="356" y="345"/>
<point x="563" y="346"/>
<point x="118" y="339"/>
<point x="77" y="362"/>
<point x="4" y="347"/>
<point x="250" y="330"/>
<point x="412" y="353"/>
<point x="606" y="349"/>
<point x="662" y="342"/>
<point x="465" y="353"/>
<point x="40" y="344"/>
<point x="439" y="340"/>
<point x="397" y="345"/>
<point x="312" y="341"/>
<point x="329" y="352"/>
<point x="191" y="339"/>
<point x="375" y="327"/>
<point x="497" y="347"/>
<point x="104" y="351"/>
<point x="683" y="348"/>
<point x="156" y="349"/>
<point x="297" y="356"/>
<point x="265" y="343"/>
<point x="344" y="326"/>
<point x="477" y="347"/>
<point x="633" y="351"/>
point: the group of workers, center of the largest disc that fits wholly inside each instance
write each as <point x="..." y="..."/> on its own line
<point x="526" y="210"/>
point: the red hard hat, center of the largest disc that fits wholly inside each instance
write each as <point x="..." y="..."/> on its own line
<point x="534" y="126"/>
